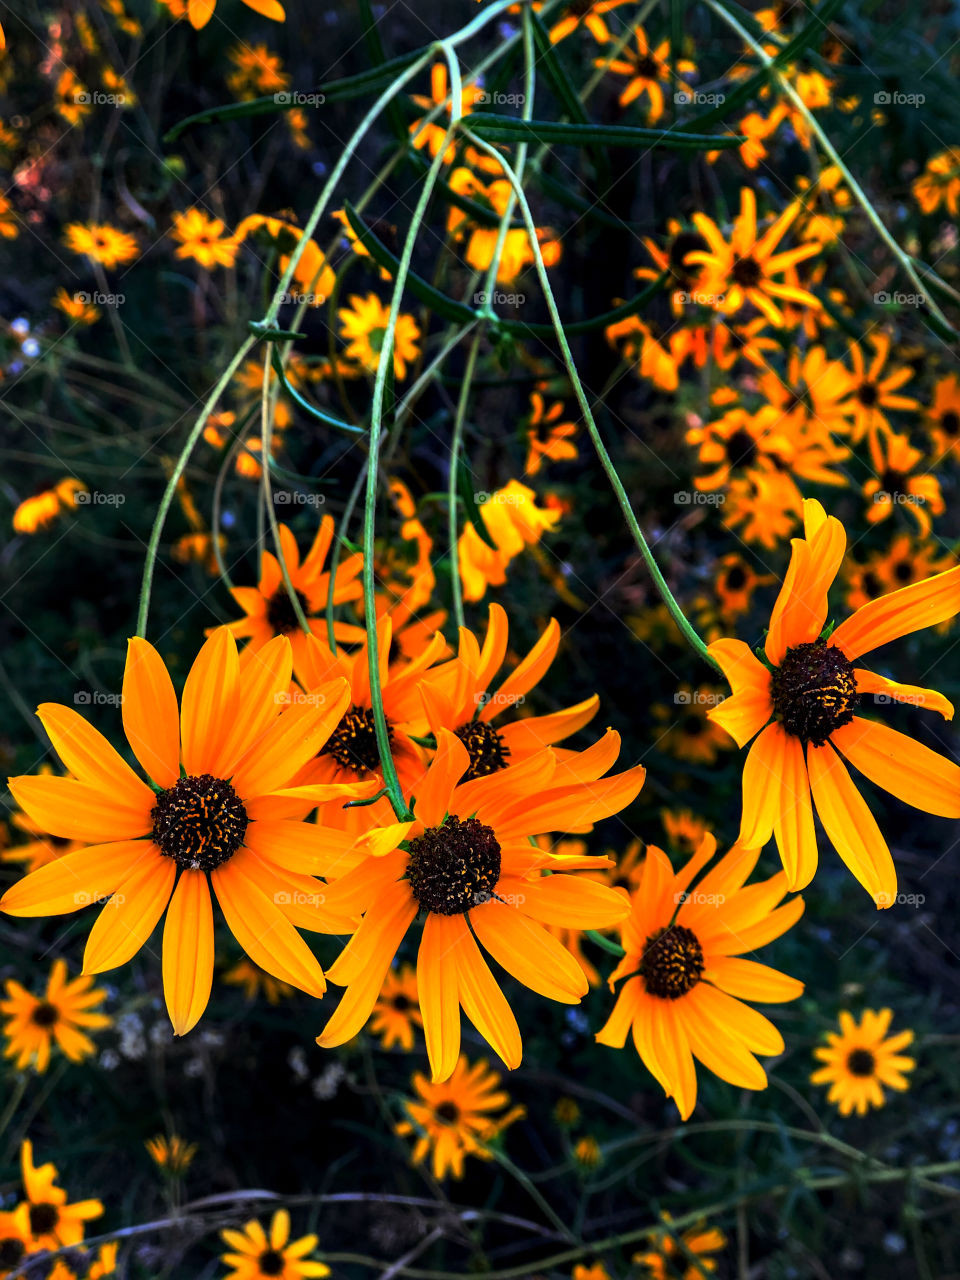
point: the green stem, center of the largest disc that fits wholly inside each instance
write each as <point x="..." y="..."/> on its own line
<point x="660" y="582"/>
<point x="212" y="400"/>
<point x="906" y="262"/>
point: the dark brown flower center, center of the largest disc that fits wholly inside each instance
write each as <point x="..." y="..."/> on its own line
<point x="867" y="394"/>
<point x="271" y="1263"/>
<point x="683" y="243"/>
<point x="647" y="68"/>
<point x="401" y="1003"/>
<point x="736" y="577"/>
<point x="45" y="1014"/>
<point x="672" y="962"/>
<point x="893" y="482"/>
<point x="353" y="744"/>
<point x="950" y="423"/>
<point x="747" y="272"/>
<point x="200" y="822"/>
<point x="861" y="1062"/>
<point x="448" y="1112"/>
<point x="43" y="1218"/>
<point x="741" y="448"/>
<point x="454" y="867"/>
<point x="280" y="611"/>
<point x="814" y="691"/>
<point x="488" y="752"/>
<point x="903" y="571"/>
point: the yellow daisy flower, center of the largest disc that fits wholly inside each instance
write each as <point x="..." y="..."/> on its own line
<point x="861" y="1059"/>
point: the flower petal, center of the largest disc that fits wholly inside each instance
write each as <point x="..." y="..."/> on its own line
<point x="529" y="952"/>
<point x="793" y="824"/>
<point x="76" y="811"/>
<point x="922" y="604"/>
<point x="209" y="707"/>
<point x="912" y="694"/>
<point x="188" y="951"/>
<point x="897" y="763"/>
<point x="77" y="879"/>
<point x="90" y="757"/>
<point x="750" y="706"/>
<point x="437" y="989"/>
<point x="131" y="915"/>
<point x="151" y="717"/>
<point x="850" y="825"/>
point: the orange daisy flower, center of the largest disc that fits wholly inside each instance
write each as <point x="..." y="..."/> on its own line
<point x="220" y="814"/>
<point x="685" y="982"/>
<point x="872" y="392"/>
<point x="468" y="863"/>
<point x="804" y="700"/>
<point x="896" y="482"/>
<point x="267" y="608"/>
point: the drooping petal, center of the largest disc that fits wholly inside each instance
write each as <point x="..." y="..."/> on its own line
<point x="793" y="826"/>
<point x="899" y="764"/>
<point x="188" y="951"/>
<point x="762" y="775"/>
<point x="913" y="695"/>
<point x="850" y="825"/>
<point x="262" y="929"/>
<point x="131" y="914"/>
<point x="484" y="1003"/>
<point x="438" y="991"/>
<point x="529" y="952"/>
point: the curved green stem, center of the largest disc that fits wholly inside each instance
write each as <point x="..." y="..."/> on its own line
<point x="686" y="629"/>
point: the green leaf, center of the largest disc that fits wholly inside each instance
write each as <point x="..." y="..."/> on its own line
<point x="790" y="51"/>
<point x="469" y="499"/>
<point x="556" y="133"/>
<point x="364" y="82"/>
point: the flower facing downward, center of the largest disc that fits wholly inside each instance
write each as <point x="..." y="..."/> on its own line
<point x="62" y="1015"/>
<point x="861" y="1059"/>
<point x="254" y="1254"/>
<point x="453" y="1120"/>
<point x="684" y="982"/>
<point x="218" y="816"/>
<point x="805" y="698"/>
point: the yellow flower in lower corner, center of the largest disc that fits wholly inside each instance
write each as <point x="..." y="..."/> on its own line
<point x="52" y="1223"/>
<point x="801" y="704"/>
<point x="685" y="981"/>
<point x="223" y="817"/>
<point x="62" y="1015"/>
<point x="669" y="1254"/>
<point x="397" y="1011"/>
<point x="174" y="1155"/>
<point x="861" y="1059"/>
<point x="363" y="327"/>
<point x="254" y="1254"/>
<point x="454" y="1119"/>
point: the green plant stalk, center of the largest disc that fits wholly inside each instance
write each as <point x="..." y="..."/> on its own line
<point x="390" y="779"/>
<point x="906" y="262"/>
<point x="490" y="284"/>
<point x="196" y="431"/>
<point x="686" y="629"/>
<point x="335" y="552"/>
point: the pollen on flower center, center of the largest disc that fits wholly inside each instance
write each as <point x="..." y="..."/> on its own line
<point x="454" y="867"/>
<point x="45" y="1014"/>
<point x="488" y="752"/>
<point x="200" y="822"/>
<point x="280" y="612"/>
<point x="747" y="272"/>
<point x="814" y="691"/>
<point x="43" y="1218"/>
<point x="861" y="1062"/>
<point x="353" y="744"/>
<point x="672" y="962"/>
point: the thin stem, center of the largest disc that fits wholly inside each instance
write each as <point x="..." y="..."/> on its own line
<point x="660" y="582"/>
<point x="146" y="584"/>
<point x="390" y="779"/>
<point x="906" y="262"/>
